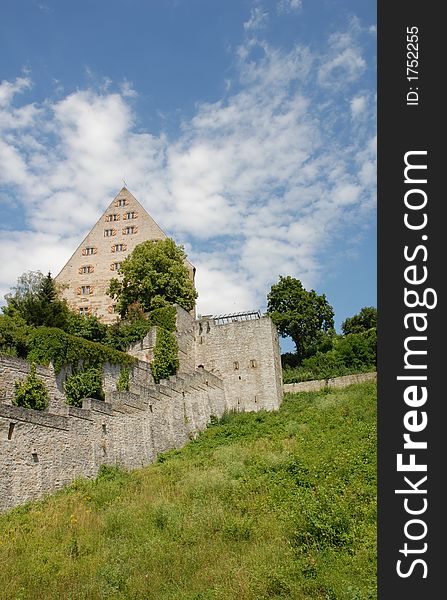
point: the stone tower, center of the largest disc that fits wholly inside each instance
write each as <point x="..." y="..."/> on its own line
<point x="86" y="276"/>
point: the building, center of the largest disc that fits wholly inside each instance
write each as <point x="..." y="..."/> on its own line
<point x="86" y="276"/>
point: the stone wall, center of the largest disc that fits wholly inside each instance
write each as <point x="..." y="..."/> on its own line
<point x="42" y="451"/>
<point x="337" y="382"/>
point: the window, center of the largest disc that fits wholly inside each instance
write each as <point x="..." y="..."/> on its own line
<point x="115" y="266"/>
<point x="119" y="248"/>
<point x="236" y="365"/>
<point x="109" y="232"/>
<point x="129" y="230"/>
<point x="253" y="364"/>
<point x="85" y="290"/>
<point x="113" y="217"/>
<point x="89" y="250"/>
<point x="86" y="269"/>
<point x="130" y="215"/>
<point x="121" y="202"/>
<point x="84" y="311"/>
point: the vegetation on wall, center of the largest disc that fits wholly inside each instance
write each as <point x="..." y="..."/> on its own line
<point x="166" y="360"/>
<point x="122" y="385"/>
<point x="31" y="393"/>
<point x="48" y="344"/>
<point x="154" y="275"/>
<point x="85" y="384"/>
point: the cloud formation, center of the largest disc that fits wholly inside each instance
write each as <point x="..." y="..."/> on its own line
<point x="260" y="183"/>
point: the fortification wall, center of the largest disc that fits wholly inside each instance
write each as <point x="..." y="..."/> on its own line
<point x="336" y="382"/>
<point x="41" y="451"/>
<point x="246" y="356"/>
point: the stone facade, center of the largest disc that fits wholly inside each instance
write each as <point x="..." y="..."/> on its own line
<point x="86" y="276"/>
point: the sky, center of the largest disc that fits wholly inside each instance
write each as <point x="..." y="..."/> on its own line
<point x="247" y="129"/>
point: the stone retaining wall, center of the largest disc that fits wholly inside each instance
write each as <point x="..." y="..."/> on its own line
<point x="336" y="382"/>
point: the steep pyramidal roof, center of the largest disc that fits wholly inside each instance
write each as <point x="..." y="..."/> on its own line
<point x="86" y="276"/>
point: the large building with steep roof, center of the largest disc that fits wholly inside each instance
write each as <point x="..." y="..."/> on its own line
<point x="86" y="276"/>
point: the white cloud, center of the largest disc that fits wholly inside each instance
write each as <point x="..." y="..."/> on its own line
<point x="255" y="185"/>
<point x="287" y="6"/>
<point x="257" y="20"/>
<point x="358" y="106"/>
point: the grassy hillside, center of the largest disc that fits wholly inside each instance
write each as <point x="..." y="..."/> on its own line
<point x="261" y="506"/>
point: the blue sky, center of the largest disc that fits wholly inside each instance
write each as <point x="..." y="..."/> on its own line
<point x="246" y="128"/>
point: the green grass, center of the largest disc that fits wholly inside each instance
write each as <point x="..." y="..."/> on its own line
<point x="260" y="506"/>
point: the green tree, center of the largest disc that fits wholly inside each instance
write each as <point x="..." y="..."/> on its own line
<point x="366" y="319"/>
<point x="35" y="300"/>
<point x="14" y="335"/>
<point x="300" y="314"/>
<point x="154" y="275"/>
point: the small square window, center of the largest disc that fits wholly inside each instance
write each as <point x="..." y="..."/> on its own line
<point x="108" y="232"/>
<point x="253" y="364"/>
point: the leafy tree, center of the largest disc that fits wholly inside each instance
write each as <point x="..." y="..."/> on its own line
<point x="366" y="319"/>
<point x="35" y="300"/>
<point x="88" y="327"/>
<point x="154" y="275"/>
<point x="14" y="335"/>
<point x="300" y="314"/>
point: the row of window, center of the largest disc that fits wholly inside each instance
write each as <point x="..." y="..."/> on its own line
<point x="90" y="250"/>
<point x="131" y="214"/>
<point x="126" y="231"/>
<point x="115" y="266"/>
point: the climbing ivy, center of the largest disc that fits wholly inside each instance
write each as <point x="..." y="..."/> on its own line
<point x="164" y="317"/>
<point x="31" y="393"/>
<point x="165" y="361"/>
<point x="48" y="344"/>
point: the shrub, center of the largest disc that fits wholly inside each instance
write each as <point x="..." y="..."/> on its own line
<point x="31" y="393"/>
<point x="165" y="361"/>
<point x="85" y="384"/>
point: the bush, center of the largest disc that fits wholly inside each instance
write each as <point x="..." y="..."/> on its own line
<point x="165" y="361"/>
<point x="31" y="393"/>
<point x="85" y="384"/>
